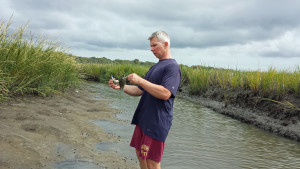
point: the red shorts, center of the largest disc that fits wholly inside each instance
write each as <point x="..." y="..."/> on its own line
<point x="147" y="147"/>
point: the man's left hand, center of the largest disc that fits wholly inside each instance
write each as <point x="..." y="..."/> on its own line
<point x="134" y="78"/>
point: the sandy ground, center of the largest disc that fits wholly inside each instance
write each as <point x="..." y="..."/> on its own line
<point x="34" y="129"/>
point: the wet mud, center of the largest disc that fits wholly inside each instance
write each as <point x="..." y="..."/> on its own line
<point x="57" y="132"/>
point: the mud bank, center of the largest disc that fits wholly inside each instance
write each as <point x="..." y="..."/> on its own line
<point x="45" y="132"/>
<point x="276" y="116"/>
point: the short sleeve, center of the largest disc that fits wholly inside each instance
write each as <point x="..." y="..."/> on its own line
<point x="172" y="78"/>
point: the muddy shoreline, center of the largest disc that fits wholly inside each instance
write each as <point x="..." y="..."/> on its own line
<point x="42" y="132"/>
<point x="271" y="116"/>
<point x="45" y="132"/>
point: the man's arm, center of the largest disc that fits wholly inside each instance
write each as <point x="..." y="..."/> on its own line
<point x="155" y="90"/>
<point x="128" y="89"/>
<point x="132" y="90"/>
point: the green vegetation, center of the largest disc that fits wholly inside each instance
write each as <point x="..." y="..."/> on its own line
<point x="103" y="72"/>
<point x="199" y="79"/>
<point x="104" y="60"/>
<point x="41" y="67"/>
<point x="101" y="69"/>
<point x="29" y="66"/>
<point x="265" y="84"/>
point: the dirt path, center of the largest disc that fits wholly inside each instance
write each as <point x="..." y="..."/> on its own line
<point x="34" y="129"/>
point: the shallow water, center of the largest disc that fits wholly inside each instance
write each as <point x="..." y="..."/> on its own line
<point x="76" y="164"/>
<point x="200" y="137"/>
<point x="68" y="152"/>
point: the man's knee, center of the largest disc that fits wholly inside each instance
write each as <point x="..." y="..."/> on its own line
<point x="152" y="164"/>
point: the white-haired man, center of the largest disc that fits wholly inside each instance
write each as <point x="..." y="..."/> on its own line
<point x="154" y="113"/>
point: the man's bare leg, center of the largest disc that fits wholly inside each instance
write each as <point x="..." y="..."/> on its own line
<point x="143" y="163"/>
<point x="153" y="164"/>
<point x="147" y="164"/>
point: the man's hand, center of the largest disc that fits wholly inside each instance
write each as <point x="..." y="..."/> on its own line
<point x="113" y="85"/>
<point x="134" y="79"/>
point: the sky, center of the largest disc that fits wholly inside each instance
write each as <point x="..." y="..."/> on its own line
<point x="244" y="35"/>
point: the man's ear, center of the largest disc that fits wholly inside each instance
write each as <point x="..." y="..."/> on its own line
<point x="166" y="44"/>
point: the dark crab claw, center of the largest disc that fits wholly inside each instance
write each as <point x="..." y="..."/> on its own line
<point x="122" y="81"/>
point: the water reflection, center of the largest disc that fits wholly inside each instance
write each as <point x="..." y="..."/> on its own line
<point x="202" y="138"/>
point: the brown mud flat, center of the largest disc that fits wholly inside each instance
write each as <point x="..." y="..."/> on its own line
<point x="273" y="115"/>
<point x="40" y="132"/>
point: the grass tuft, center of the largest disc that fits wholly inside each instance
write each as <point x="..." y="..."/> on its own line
<point x="30" y="66"/>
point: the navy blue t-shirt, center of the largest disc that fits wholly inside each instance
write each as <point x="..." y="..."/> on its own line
<point x="154" y="115"/>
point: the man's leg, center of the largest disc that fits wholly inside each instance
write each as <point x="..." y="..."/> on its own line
<point x="153" y="164"/>
<point x="143" y="163"/>
<point x="147" y="164"/>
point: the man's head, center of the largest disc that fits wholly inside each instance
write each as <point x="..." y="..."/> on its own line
<point x="160" y="44"/>
<point x="162" y="36"/>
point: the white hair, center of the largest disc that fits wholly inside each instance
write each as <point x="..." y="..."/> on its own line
<point x="161" y="36"/>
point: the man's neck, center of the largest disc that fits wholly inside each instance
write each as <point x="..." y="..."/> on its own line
<point x="167" y="56"/>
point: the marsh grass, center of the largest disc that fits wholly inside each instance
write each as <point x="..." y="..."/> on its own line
<point x="3" y="89"/>
<point x="33" y="66"/>
<point x="269" y="83"/>
<point x="103" y="72"/>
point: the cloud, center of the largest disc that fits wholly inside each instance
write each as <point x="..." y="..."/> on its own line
<point x="251" y="28"/>
<point x="284" y="46"/>
<point x="192" y="24"/>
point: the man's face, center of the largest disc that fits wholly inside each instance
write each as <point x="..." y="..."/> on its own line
<point x="157" y="47"/>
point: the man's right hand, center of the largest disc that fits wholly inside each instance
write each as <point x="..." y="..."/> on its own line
<point x="113" y="85"/>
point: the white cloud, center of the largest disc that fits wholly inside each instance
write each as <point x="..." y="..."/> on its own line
<point x="216" y="32"/>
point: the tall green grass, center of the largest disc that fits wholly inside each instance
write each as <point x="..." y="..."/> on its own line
<point x="200" y="79"/>
<point x="103" y="72"/>
<point x="269" y="83"/>
<point x="33" y="66"/>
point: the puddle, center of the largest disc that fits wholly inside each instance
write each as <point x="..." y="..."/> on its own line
<point x="67" y="151"/>
<point x="121" y="148"/>
<point x="76" y="164"/>
<point x="107" y="146"/>
<point x="123" y="130"/>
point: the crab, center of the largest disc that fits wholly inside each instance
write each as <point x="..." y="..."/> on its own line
<point x="122" y="81"/>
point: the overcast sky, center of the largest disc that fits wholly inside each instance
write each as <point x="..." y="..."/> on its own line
<point x="249" y="34"/>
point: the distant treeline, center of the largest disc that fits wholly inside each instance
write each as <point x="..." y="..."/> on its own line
<point x="104" y="60"/>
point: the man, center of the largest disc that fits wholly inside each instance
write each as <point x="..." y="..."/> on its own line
<point x="154" y="114"/>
